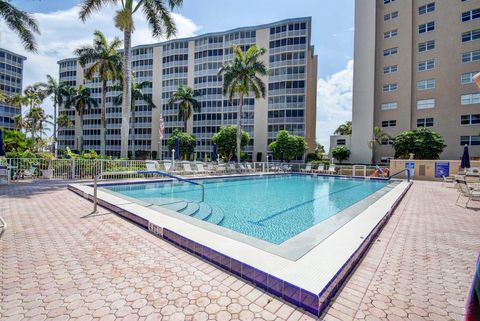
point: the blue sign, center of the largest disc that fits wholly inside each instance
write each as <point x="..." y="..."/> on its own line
<point x="442" y="169"/>
<point x="410" y="167"/>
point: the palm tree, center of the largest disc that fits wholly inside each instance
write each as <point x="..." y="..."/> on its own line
<point x="344" y="129"/>
<point x="20" y="22"/>
<point x="3" y="97"/>
<point x="79" y="99"/>
<point x="240" y="77"/>
<point x="137" y="93"/>
<point x="18" y="122"/>
<point x="64" y="121"/>
<point x="187" y="104"/>
<point x="106" y="62"/>
<point x="34" y="95"/>
<point x="35" y="120"/>
<point x="377" y="136"/>
<point x="58" y="91"/>
<point x="162" y="24"/>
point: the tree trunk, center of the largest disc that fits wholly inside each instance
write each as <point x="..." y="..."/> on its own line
<point x="127" y="98"/>
<point x="80" y="143"/>
<point x="239" y="128"/>
<point x="103" y="126"/>
<point x="54" y="147"/>
<point x="133" y="130"/>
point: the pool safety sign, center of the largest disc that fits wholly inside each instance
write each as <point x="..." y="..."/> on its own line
<point x="442" y="169"/>
<point x="410" y="167"/>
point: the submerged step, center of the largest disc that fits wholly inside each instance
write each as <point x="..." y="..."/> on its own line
<point x="191" y="209"/>
<point x="217" y="215"/>
<point x="176" y="206"/>
<point x="204" y="211"/>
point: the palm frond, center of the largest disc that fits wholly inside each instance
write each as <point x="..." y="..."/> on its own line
<point x="22" y="23"/>
<point x="89" y="7"/>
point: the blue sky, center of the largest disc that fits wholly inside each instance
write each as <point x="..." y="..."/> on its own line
<point x="332" y="37"/>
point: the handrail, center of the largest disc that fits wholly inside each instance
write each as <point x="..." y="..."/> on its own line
<point x="177" y="178"/>
<point x="401" y="172"/>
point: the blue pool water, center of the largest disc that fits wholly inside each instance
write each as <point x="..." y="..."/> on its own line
<point x="271" y="208"/>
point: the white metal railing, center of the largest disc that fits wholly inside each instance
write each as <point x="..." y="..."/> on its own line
<point x="73" y="169"/>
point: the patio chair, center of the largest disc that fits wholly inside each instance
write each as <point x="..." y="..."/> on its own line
<point x="332" y="170"/>
<point x="242" y="168"/>
<point x="448" y="180"/>
<point x="152" y="166"/>
<point x="307" y="168"/>
<point x="472" y="194"/>
<point x="201" y="169"/>
<point x="187" y="169"/>
<point x="30" y="173"/>
<point x="232" y="168"/>
<point x="250" y="168"/>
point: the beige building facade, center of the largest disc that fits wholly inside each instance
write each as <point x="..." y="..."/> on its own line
<point x="414" y="62"/>
<point x="290" y="103"/>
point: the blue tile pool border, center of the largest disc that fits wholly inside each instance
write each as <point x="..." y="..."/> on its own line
<point x="306" y="300"/>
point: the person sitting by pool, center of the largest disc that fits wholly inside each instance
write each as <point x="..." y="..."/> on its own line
<point x="381" y="172"/>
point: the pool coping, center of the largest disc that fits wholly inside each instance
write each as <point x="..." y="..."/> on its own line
<point x="291" y="249"/>
<point x="309" y="283"/>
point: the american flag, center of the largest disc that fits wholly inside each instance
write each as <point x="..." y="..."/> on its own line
<point x="161" y="128"/>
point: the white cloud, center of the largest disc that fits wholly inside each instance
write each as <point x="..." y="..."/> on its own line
<point x="334" y="102"/>
<point x="62" y="32"/>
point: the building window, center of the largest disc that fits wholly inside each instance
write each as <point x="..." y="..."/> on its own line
<point x="425" y="122"/>
<point x="386" y="141"/>
<point x="470" y="140"/>
<point x="426" y="65"/>
<point x="467" y="78"/>
<point x="390" y="51"/>
<point x="426" y="46"/>
<point x="426" y="8"/>
<point x="470" y="99"/>
<point x="390" y="87"/>
<point x="426" y="27"/>
<point x="470" y="119"/>
<point x="390" y="69"/>
<point x="389" y="105"/>
<point x="389" y="123"/>
<point x="341" y="142"/>
<point x="426" y="84"/>
<point x="471" y="35"/>
<point x="390" y="34"/>
<point x="470" y="56"/>
<point x="425" y="103"/>
<point x="471" y="15"/>
<point x="390" y="16"/>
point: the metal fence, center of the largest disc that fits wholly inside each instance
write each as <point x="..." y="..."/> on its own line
<point x="74" y="169"/>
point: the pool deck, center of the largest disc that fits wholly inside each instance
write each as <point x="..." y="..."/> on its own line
<point x="56" y="262"/>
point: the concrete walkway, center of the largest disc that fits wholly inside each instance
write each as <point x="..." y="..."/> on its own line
<point x="57" y="263"/>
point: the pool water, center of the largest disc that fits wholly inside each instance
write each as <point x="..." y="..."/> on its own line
<point x="271" y="208"/>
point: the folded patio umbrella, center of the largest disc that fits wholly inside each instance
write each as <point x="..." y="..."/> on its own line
<point x="177" y="148"/>
<point x="465" y="158"/>
<point x="2" y="151"/>
<point x="214" y="153"/>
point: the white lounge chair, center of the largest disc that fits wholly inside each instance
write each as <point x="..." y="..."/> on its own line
<point x="250" y="168"/>
<point x="187" y="169"/>
<point x="472" y="194"/>
<point x="331" y="169"/>
<point x="152" y="166"/>
<point x="307" y="168"/>
<point x="243" y="169"/>
<point x="201" y="169"/>
<point x="232" y="168"/>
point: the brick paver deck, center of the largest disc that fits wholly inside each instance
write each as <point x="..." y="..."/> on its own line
<point x="55" y="263"/>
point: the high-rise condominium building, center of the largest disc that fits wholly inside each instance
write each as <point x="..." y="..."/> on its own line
<point x="290" y="103"/>
<point x="11" y="79"/>
<point x="414" y="62"/>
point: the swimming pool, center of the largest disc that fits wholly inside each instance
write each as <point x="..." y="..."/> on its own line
<point x="270" y="208"/>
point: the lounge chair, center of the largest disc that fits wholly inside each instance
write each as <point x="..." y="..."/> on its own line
<point x="232" y="168"/>
<point x="243" y="169"/>
<point x="187" y="169"/>
<point x="250" y="168"/>
<point x="472" y="194"/>
<point x="30" y="173"/>
<point x="448" y="180"/>
<point x="152" y="166"/>
<point x="201" y="169"/>
<point x="331" y="169"/>
<point x="307" y="168"/>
